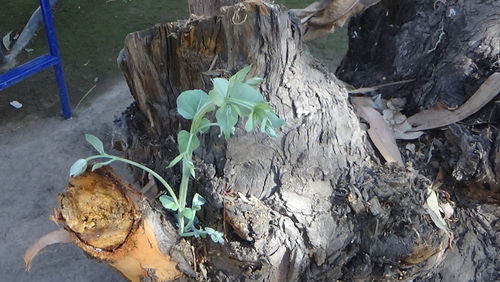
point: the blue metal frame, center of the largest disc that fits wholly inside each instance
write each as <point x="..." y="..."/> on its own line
<point x="45" y="61"/>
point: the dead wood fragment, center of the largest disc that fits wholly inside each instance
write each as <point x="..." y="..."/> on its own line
<point x="113" y="223"/>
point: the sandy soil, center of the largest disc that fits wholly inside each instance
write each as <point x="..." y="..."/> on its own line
<point x="35" y="155"/>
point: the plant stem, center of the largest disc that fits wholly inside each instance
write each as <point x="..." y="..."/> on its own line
<point x="185" y="176"/>
<point x="145" y="168"/>
<point x="182" y="200"/>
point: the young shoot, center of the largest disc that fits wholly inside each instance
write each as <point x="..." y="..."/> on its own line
<point x="230" y="99"/>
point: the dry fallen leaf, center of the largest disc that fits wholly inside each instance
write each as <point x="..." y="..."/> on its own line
<point x="432" y="207"/>
<point x="54" y="237"/>
<point x="379" y="132"/>
<point x="447" y="210"/>
<point x="321" y="17"/>
<point x="6" y="41"/>
<point x="439" y="116"/>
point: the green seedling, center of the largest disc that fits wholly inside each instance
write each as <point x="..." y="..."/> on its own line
<point x="230" y="100"/>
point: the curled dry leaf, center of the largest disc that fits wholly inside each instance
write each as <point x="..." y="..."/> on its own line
<point x="439" y="116"/>
<point x="432" y="207"/>
<point x="379" y="132"/>
<point x="321" y="17"/>
<point x="54" y="237"/>
<point x="447" y="210"/>
<point x="6" y="41"/>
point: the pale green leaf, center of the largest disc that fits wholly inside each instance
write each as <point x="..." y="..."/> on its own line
<point x="168" y="203"/>
<point x="250" y="123"/>
<point x="246" y="93"/>
<point x="189" y="102"/>
<point x="99" y="165"/>
<point x="175" y="161"/>
<point x="78" y="167"/>
<point x="187" y="167"/>
<point x="95" y="142"/>
<point x="219" y="92"/>
<point x="217" y="237"/>
<point x="188" y="213"/>
<point x="254" y="81"/>
<point x="187" y="142"/>
<point x="227" y="118"/>
<point x="198" y="201"/>
<point x="276" y="122"/>
<point x="240" y="75"/>
<point x="204" y="125"/>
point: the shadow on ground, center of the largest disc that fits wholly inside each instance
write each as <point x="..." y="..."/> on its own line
<point x="35" y="157"/>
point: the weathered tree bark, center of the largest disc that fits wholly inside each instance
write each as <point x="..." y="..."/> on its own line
<point x="449" y="48"/>
<point x="312" y="204"/>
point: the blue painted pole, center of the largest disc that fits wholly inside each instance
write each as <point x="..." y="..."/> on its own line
<point x="54" y="51"/>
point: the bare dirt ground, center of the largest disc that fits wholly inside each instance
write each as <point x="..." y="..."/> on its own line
<point x="35" y="155"/>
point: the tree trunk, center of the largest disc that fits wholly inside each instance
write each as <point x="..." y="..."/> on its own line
<point x="312" y="204"/>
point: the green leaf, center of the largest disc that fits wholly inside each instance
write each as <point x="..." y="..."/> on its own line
<point x="263" y="125"/>
<point x="254" y="81"/>
<point x="187" y="142"/>
<point x="99" y="165"/>
<point x="219" y="93"/>
<point x="227" y="117"/>
<point x="216" y="236"/>
<point x="189" y="102"/>
<point x="240" y="75"/>
<point x="175" y="161"/>
<point x="245" y="92"/>
<point x="198" y="201"/>
<point x="78" y="167"/>
<point x="204" y="125"/>
<point x="250" y="123"/>
<point x="188" y="213"/>
<point x="276" y="122"/>
<point x="168" y="202"/>
<point x="216" y="98"/>
<point x="95" y="142"/>
<point x="187" y="167"/>
<point x="270" y="132"/>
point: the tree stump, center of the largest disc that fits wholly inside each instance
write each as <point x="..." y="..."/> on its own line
<point x="313" y="204"/>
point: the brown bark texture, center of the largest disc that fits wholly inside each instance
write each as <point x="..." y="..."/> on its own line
<point x="314" y="204"/>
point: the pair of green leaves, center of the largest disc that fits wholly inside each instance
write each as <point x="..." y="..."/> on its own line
<point x="80" y="166"/>
<point x="169" y="203"/>
<point x="187" y="142"/>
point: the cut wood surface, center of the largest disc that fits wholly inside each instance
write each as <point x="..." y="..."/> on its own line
<point x="114" y="224"/>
